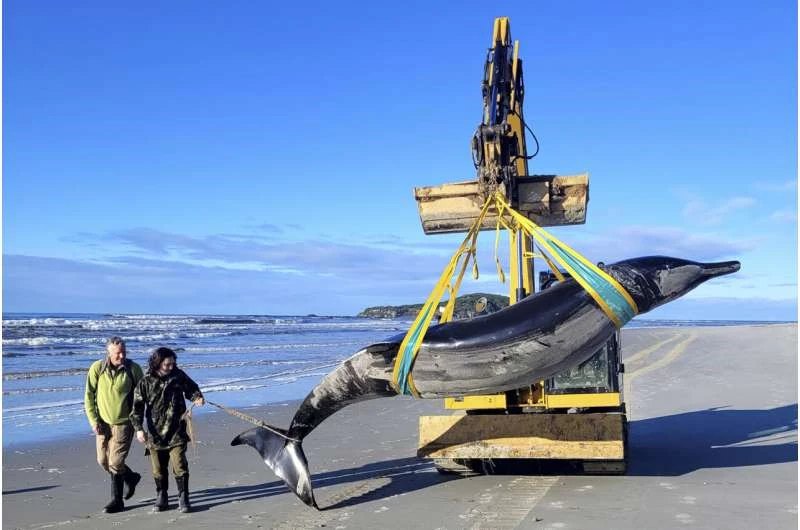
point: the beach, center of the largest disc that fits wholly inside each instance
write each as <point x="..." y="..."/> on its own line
<point x="713" y="444"/>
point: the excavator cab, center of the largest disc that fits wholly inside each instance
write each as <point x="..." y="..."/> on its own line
<point x="601" y="373"/>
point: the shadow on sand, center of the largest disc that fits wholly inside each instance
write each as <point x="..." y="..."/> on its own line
<point x="712" y="438"/>
<point x="28" y="490"/>
<point x="378" y="480"/>
<point x="663" y="446"/>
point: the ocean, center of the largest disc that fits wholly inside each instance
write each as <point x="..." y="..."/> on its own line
<point x="238" y="361"/>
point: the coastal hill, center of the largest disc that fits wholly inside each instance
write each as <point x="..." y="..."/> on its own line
<point x="465" y="307"/>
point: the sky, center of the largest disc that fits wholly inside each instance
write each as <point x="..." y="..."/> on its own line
<point x="259" y="157"/>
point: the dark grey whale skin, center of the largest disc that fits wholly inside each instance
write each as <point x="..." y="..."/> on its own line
<point x="534" y="339"/>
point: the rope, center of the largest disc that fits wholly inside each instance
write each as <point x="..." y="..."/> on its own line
<point x="187" y="417"/>
<point x="254" y="421"/>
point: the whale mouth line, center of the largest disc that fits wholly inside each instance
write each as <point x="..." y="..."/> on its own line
<point x="713" y="270"/>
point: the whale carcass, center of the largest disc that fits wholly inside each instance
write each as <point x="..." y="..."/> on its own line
<point x="536" y="338"/>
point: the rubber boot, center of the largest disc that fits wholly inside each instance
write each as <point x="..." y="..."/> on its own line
<point x="183" y="493"/>
<point x="116" y="504"/>
<point x="162" y="501"/>
<point x="132" y="478"/>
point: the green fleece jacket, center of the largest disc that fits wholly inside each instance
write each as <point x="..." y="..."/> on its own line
<point x="109" y="392"/>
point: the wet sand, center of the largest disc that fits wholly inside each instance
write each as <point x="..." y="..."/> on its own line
<point x="713" y="444"/>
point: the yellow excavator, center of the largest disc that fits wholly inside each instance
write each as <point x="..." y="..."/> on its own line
<point x="578" y="415"/>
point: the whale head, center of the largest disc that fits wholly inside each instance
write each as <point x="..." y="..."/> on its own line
<point x="655" y="280"/>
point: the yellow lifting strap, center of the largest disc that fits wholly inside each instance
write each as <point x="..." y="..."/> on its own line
<point x="401" y="376"/>
<point x="612" y="298"/>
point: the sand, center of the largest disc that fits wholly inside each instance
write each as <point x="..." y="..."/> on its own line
<point x="713" y="444"/>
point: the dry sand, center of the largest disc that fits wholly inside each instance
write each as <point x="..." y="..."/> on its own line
<point x="713" y="444"/>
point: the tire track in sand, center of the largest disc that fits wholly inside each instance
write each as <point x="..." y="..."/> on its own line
<point x="641" y="354"/>
<point x="670" y="357"/>
<point x="507" y="505"/>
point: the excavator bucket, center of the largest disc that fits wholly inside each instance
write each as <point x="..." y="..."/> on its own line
<point x="547" y="200"/>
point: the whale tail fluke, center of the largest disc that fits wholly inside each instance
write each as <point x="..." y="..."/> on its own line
<point x="284" y="457"/>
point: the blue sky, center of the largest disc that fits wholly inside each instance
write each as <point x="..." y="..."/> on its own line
<point x="257" y="157"/>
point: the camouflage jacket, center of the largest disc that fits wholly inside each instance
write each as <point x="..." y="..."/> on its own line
<point x="160" y="400"/>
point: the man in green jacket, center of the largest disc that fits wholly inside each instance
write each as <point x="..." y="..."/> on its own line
<point x="108" y="401"/>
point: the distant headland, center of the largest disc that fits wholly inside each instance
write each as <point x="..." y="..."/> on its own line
<point x="467" y="306"/>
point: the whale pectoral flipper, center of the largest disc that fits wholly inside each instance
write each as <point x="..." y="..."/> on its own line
<point x="284" y="457"/>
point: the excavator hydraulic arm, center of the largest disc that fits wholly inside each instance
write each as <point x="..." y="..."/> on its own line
<point x="498" y="145"/>
<point x="500" y="156"/>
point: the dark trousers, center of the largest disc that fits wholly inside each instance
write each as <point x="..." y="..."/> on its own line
<point x="173" y="455"/>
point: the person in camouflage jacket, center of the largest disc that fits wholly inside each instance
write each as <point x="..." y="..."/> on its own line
<point x="159" y="399"/>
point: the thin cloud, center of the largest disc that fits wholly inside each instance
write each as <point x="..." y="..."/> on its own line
<point x="134" y="284"/>
<point x="306" y="257"/>
<point x="633" y="241"/>
<point x="779" y="187"/>
<point x="404" y="260"/>
<point x="266" y="227"/>
<point x="701" y="212"/>
<point x="784" y="216"/>
<point x="176" y="272"/>
<point x="149" y="240"/>
<point x="168" y="287"/>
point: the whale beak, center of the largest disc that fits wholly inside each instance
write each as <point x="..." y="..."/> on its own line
<point x="712" y="270"/>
